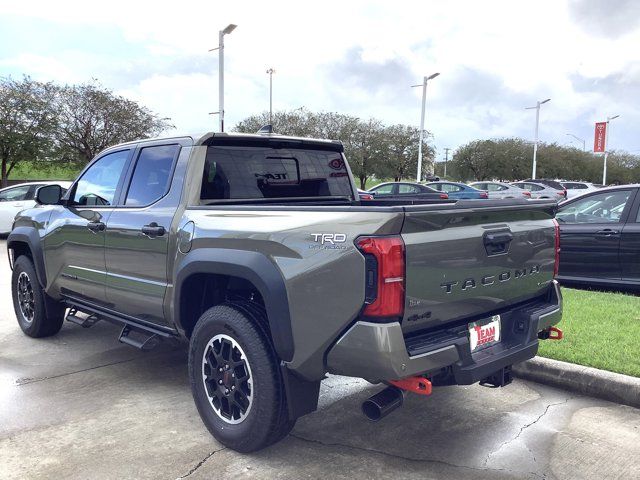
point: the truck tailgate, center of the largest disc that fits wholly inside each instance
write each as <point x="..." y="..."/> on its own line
<point x="469" y="260"/>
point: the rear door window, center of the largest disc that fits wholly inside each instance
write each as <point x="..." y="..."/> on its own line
<point x="407" y="189"/>
<point x="261" y="172"/>
<point x="152" y="174"/>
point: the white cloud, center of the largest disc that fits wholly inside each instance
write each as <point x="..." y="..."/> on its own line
<point x="495" y="59"/>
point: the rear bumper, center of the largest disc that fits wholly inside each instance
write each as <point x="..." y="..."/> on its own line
<point x="379" y="351"/>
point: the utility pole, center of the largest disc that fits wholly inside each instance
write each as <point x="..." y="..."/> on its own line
<point x="446" y="159"/>
<point x="271" y="71"/>
<point x="535" y="144"/>
<point x="227" y="30"/>
<point x="424" y="99"/>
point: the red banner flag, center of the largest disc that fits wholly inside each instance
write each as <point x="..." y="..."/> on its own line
<point x="600" y="137"/>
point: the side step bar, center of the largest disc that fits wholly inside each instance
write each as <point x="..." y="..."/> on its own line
<point x="139" y="338"/>
<point x="135" y="333"/>
<point x="83" y="321"/>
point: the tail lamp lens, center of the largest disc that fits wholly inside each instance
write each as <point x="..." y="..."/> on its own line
<point x="385" y="275"/>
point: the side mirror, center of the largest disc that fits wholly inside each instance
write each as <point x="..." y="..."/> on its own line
<point x="49" y="195"/>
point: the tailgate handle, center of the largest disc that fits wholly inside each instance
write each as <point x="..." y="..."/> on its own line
<point x="497" y="243"/>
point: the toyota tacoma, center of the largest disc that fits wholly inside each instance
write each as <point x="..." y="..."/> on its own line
<point x="257" y="250"/>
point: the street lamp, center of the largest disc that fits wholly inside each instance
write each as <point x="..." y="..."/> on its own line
<point x="535" y="144"/>
<point x="227" y="30"/>
<point x="424" y="98"/>
<point x="584" y="146"/>
<point x="271" y="71"/>
<point x="606" y="149"/>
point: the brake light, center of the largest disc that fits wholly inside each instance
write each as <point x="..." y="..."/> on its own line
<point x="526" y="193"/>
<point x="366" y="196"/>
<point x="385" y="272"/>
<point x="484" y="195"/>
<point x="444" y="196"/>
<point x="556" y="265"/>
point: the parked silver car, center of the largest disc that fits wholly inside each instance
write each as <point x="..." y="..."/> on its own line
<point x="540" y="190"/>
<point x="501" y="190"/>
<point x="579" y="188"/>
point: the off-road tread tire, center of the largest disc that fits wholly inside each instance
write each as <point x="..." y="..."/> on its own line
<point x="48" y="314"/>
<point x="267" y="421"/>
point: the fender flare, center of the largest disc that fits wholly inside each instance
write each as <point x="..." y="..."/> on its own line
<point x="30" y="236"/>
<point x="253" y="267"/>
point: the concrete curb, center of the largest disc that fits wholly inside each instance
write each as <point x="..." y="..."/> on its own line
<point x="586" y="380"/>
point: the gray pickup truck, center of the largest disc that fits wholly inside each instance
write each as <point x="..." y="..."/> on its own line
<point x="257" y="250"/>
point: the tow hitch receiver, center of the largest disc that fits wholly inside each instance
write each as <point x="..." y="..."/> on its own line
<point x="551" y="333"/>
<point x="501" y="378"/>
<point x="419" y="385"/>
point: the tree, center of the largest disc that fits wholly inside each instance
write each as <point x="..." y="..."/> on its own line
<point x="27" y="120"/>
<point x="91" y="118"/>
<point x="402" y="152"/>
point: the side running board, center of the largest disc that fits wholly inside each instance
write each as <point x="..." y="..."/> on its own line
<point x="135" y="333"/>
<point x="139" y="338"/>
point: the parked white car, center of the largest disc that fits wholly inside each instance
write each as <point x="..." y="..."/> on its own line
<point x="20" y="197"/>
<point x="578" y="188"/>
<point x="501" y="190"/>
<point x="540" y="190"/>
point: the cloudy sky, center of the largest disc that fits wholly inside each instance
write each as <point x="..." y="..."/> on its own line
<point x="356" y="57"/>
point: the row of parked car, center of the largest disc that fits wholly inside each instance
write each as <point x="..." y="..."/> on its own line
<point x="539" y="188"/>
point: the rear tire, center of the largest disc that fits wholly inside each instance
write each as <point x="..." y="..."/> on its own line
<point x="38" y="315"/>
<point x="235" y="378"/>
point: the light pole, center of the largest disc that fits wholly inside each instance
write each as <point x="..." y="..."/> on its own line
<point x="271" y="71"/>
<point x="227" y="30"/>
<point x="424" y="98"/>
<point x="535" y="145"/>
<point x="584" y="145"/>
<point x="606" y="149"/>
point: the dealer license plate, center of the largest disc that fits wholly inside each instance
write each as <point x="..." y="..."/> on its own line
<point x="484" y="333"/>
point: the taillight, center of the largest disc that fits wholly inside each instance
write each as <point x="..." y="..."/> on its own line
<point x="562" y="194"/>
<point x="484" y="195"/>
<point x="384" y="276"/>
<point x="366" y="196"/>
<point x="444" y="196"/>
<point x="556" y="265"/>
<point x="526" y="193"/>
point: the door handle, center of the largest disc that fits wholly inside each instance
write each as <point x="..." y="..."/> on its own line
<point x="153" y="230"/>
<point x="96" y="227"/>
<point x="608" y="232"/>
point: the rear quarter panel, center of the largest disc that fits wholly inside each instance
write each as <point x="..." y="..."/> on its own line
<point x="324" y="281"/>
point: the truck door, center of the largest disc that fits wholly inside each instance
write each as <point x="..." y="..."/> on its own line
<point x="74" y="244"/>
<point x="138" y="233"/>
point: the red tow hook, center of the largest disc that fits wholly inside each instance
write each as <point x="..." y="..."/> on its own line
<point x="419" y="385"/>
<point x="551" y="333"/>
<point x="558" y="333"/>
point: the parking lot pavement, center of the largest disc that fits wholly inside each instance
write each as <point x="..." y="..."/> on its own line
<point x="81" y="405"/>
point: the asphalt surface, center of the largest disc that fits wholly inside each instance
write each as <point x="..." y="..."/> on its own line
<point x="82" y="405"/>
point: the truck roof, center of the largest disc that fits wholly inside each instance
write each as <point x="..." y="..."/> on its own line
<point x="213" y="138"/>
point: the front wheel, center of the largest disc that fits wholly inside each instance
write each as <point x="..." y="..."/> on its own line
<point x="34" y="318"/>
<point x="235" y="379"/>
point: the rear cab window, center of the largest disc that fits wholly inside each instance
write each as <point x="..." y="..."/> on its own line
<point x="256" y="173"/>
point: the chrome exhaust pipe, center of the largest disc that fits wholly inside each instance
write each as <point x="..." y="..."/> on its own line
<point x="382" y="403"/>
